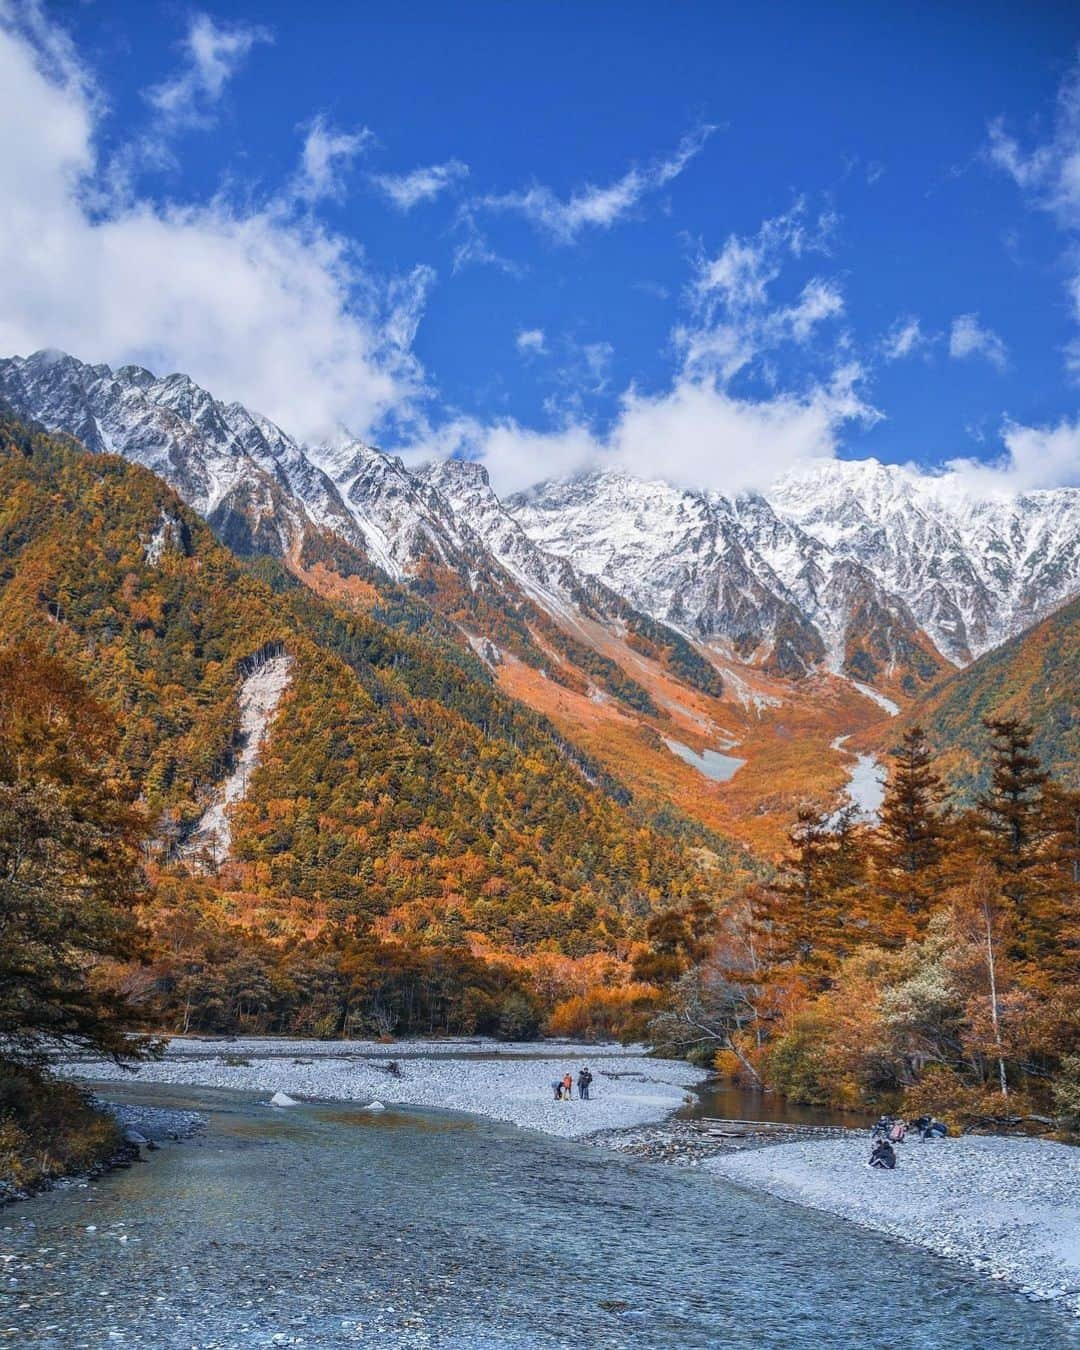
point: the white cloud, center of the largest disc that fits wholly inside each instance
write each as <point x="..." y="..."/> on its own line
<point x="474" y="248"/>
<point x="597" y="356"/>
<point x="256" y="302"/>
<point x="597" y="207"/>
<point x="904" y="338"/>
<point x="820" y="300"/>
<point x="1034" y="457"/>
<point x="407" y="190"/>
<point x="531" y="342"/>
<point x="734" y="317"/>
<point x="1050" y="172"/>
<point x="969" y="337"/>
<point x="326" y="154"/>
<point x="1049" y="176"/>
<point x="696" y="434"/>
<point x="212" y="55"/>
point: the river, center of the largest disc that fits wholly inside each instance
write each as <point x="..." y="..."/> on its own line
<point x="329" y="1226"/>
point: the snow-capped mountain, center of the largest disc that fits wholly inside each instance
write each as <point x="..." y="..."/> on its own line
<point x="873" y="571"/>
<point x="732" y="570"/>
<point x="249" y="479"/>
<point x="836" y="540"/>
<point x="974" y="569"/>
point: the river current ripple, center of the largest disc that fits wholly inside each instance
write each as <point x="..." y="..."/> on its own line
<point x="328" y="1226"/>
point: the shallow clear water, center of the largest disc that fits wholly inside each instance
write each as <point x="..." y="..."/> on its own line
<point x="711" y="763"/>
<point x="329" y="1226"/>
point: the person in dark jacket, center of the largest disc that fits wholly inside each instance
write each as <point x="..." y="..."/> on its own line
<point x="884" y="1155"/>
<point x="584" y="1078"/>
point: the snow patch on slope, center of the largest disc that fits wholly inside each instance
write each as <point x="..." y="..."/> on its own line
<point x="260" y="695"/>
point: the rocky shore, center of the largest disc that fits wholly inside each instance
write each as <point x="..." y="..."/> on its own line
<point x="690" y="1143"/>
<point x="1008" y="1208"/>
<point x="141" y="1127"/>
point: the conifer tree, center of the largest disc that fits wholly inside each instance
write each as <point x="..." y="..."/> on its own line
<point x="910" y="842"/>
<point x="1016" y="827"/>
<point x="810" y="917"/>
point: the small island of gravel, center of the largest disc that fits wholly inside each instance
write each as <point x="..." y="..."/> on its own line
<point x="504" y="1081"/>
<point x="1009" y="1208"/>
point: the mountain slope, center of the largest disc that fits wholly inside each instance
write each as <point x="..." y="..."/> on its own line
<point x="395" y="787"/>
<point x="1034" y="676"/>
<point x="876" y="572"/>
<point x="240" y="472"/>
<point x="646" y="622"/>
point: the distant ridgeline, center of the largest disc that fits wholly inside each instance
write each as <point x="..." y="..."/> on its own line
<point x="399" y="796"/>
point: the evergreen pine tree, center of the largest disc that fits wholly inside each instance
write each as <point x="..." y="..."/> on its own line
<point x="810" y="915"/>
<point x="1016" y="829"/>
<point x="910" y="842"/>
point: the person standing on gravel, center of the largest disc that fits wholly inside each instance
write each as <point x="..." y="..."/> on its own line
<point x="584" y="1078"/>
<point x="568" y="1088"/>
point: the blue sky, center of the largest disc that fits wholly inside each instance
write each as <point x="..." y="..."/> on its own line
<point x="712" y="240"/>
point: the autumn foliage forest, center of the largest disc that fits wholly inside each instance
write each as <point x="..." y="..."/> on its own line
<point x="416" y="851"/>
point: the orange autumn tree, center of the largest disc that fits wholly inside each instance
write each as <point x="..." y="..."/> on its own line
<point x="70" y="873"/>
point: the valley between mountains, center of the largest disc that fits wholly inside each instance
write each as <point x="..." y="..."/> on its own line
<point x="635" y="616"/>
<point x="309" y="741"/>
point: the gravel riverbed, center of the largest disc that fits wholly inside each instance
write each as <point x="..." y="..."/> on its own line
<point x="1009" y="1208"/>
<point x="502" y="1081"/>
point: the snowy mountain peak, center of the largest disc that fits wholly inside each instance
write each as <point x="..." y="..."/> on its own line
<point x="872" y="570"/>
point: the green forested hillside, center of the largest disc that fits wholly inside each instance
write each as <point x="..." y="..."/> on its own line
<point x="1035" y="676"/>
<point x="398" y="789"/>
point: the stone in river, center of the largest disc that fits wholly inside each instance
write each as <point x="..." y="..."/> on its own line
<point x="283" y="1099"/>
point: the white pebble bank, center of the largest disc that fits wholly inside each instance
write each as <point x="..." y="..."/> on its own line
<point x="505" y="1082"/>
<point x="1010" y="1208"/>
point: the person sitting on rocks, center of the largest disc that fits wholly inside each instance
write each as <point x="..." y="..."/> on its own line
<point x="584" y="1078"/>
<point x="884" y="1155"/>
<point x="898" y="1133"/>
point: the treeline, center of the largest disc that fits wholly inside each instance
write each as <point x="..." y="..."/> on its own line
<point x="929" y="962"/>
<point x="203" y="973"/>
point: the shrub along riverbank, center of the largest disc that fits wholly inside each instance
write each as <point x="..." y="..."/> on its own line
<point x="50" y="1129"/>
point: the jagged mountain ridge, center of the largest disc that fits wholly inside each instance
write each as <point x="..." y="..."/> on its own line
<point x="975" y="568"/>
<point x="265" y="493"/>
<point x="862" y="569"/>
<point x="966" y="571"/>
